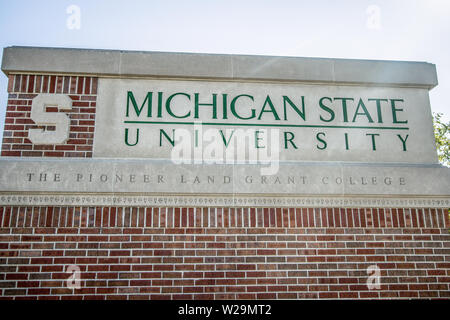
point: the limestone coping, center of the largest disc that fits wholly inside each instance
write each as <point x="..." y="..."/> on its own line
<point x="227" y="67"/>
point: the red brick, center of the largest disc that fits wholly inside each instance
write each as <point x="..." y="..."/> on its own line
<point x="214" y="262"/>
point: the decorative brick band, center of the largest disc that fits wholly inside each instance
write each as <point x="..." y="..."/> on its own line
<point x="163" y="217"/>
<point x="233" y="200"/>
<point x="23" y="88"/>
<point x="223" y="253"/>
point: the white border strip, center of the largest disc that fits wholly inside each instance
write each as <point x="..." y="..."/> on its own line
<point x="12" y="199"/>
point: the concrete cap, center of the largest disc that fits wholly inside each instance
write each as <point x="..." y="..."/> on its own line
<point x="118" y="63"/>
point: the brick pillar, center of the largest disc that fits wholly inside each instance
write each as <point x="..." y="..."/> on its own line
<point x="23" y="88"/>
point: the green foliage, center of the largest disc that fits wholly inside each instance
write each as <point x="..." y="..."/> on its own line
<point x="442" y="135"/>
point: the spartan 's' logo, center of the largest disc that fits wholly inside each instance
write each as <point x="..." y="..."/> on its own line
<point x="59" y="120"/>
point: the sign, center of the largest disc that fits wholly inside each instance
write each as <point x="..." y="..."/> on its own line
<point x="212" y="122"/>
<point x="95" y="127"/>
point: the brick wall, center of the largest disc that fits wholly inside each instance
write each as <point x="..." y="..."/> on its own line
<point x="23" y="88"/>
<point x="202" y="253"/>
<point x="221" y="253"/>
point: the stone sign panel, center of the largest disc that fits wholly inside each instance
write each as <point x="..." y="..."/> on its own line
<point x="149" y="118"/>
<point x="148" y="175"/>
<point x="228" y="128"/>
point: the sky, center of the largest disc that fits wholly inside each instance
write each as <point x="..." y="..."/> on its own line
<point x="408" y="30"/>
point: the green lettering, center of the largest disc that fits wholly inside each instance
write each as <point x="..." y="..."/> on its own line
<point x="344" y="107"/>
<point x="160" y="103"/>
<point x="224" y="103"/>
<point x="324" y="143"/>
<point x="198" y="104"/>
<point x="163" y="133"/>
<point x="272" y="109"/>
<point x="395" y="110"/>
<point x="289" y="139"/>
<point x="126" y="138"/>
<point x="403" y="141"/>
<point x="137" y="110"/>
<point x="233" y="107"/>
<point x="346" y="141"/>
<point x="365" y="111"/>
<point x="293" y="106"/>
<point x="225" y="142"/>
<point x="257" y="139"/>
<point x="169" y="100"/>
<point x="378" y="103"/>
<point x="374" y="148"/>
<point x="327" y="109"/>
